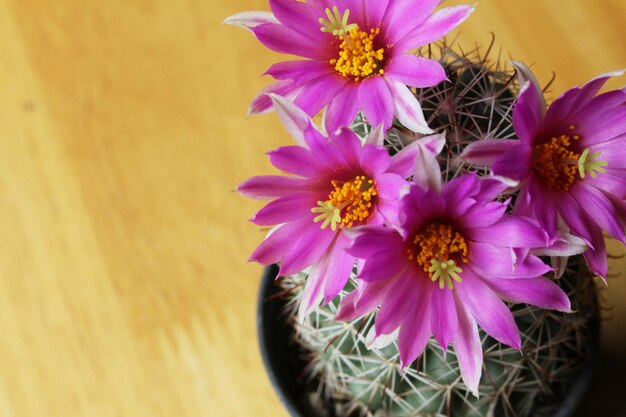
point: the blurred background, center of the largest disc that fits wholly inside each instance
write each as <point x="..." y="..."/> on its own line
<point x="124" y="287"/>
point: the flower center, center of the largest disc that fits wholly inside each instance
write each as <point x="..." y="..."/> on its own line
<point x="559" y="165"/>
<point x="349" y="203"/>
<point x="437" y="248"/>
<point x="357" y="57"/>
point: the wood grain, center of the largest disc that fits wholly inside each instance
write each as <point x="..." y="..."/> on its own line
<point x="124" y="287"/>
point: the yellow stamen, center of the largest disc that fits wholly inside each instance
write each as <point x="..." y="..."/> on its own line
<point x="349" y="203"/>
<point x="433" y="250"/>
<point x="559" y="164"/>
<point x="336" y="24"/>
<point x="358" y="58"/>
<point x="328" y="213"/>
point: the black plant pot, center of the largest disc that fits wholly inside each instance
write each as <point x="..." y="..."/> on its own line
<point x="284" y="368"/>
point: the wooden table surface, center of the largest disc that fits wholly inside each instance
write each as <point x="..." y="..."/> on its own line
<point x="124" y="287"/>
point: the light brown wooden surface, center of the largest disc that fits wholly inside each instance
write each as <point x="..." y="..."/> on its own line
<point x="124" y="287"/>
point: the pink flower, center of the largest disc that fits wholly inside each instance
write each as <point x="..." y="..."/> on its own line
<point x="335" y="184"/>
<point x="571" y="160"/>
<point x="444" y="269"/>
<point x="356" y="56"/>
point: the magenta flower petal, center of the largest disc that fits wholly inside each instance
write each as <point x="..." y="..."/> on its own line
<point x="417" y="71"/>
<point x="514" y="163"/>
<point x="528" y="113"/>
<point x="296" y="121"/>
<point x="377" y="104"/>
<point x="302" y="70"/>
<point x="277" y="244"/>
<point x="468" y="349"/>
<point x="407" y="108"/>
<point x="375" y="160"/>
<point x="294" y="160"/>
<point x="486" y="151"/>
<point x="299" y="17"/>
<point x="406" y="15"/>
<point x="415" y="330"/>
<point x="537" y="291"/>
<point x="281" y="39"/>
<point x="488" y="310"/>
<point x="444" y="320"/>
<point x="340" y="265"/>
<point x="512" y="232"/>
<point x="319" y="93"/>
<point x="396" y="306"/>
<point x="262" y="103"/>
<point x="343" y="108"/>
<point x="308" y="249"/>
<point x="599" y="208"/>
<point x="434" y="27"/>
<point x="364" y="299"/>
<point x="271" y="186"/>
<point x="283" y="209"/>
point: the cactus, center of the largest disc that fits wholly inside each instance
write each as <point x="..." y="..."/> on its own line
<point x="353" y="379"/>
<point x="361" y="381"/>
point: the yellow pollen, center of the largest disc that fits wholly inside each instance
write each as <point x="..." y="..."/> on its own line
<point x="358" y="58"/>
<point x="437" y="249"/>
<point x="556" y="163"/>
<point x="350" y="203"/>
<point x="560" y="166"/>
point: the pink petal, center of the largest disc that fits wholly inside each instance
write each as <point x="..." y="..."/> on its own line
<point x="483" y="214"/>
<point x="488" y="309"/>
<point x="296" y="160"/>
<point x="293" y="118"/>
<point x="271" y="186"/>
<point x="539" y="291"/>
<point x="484" y="152"/>
<point x="248" y="20"/>
<point x="365" y="298"/>
<point x="281" y="39"/>
<point x="415" y="328"/>
<point x="599" y="209"/>
<point x="389" y="186"/>
<point x="301" y="71"/>
<point x="406" y="106"/>
<point x="307" y="250"/>
<point x="374" y="12"/>
<point x="510" y="232"/>
<point x="403" y="162"/>
<point x="435" y="27"/>
<point x="528" y="113"/>
<point x="376" y="102"/>
<point x="278" y="243"/>
<point x="427" y="173"/>
<point x="524" y="75"/>
<point x="396" y="305"/>
<point x="343" y="109"/>
<point x="340" y="265"/>
<point x="262" y="103"/>
<point x="299" y="17"/>
<point x="444" y="320"/>
<point x="284" y="209"/>
<point x="468" y="349"/>
<point x="312" y="293"/>
<point x="405" y="15"/>
<point x="415" y="71"/>
<point x="516" y="163"/>
<point x="376" y="137"/>
<point x="597" y="257"/>
<point x="560" y="112"/>
<point x="491" y="261"/>
<point x="320" y="92"/>
<point x="375" y="160"/>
